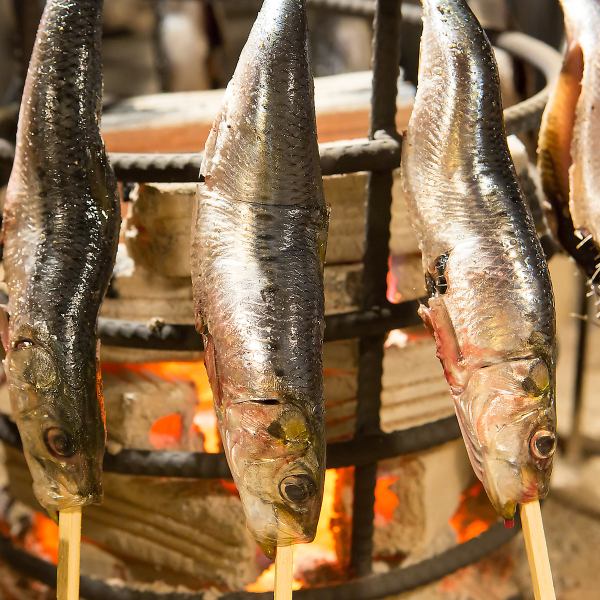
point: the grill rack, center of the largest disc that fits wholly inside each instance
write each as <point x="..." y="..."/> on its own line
<point x="379" y="154"/>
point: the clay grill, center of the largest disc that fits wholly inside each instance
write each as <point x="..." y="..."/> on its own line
<point x="380" y="155"/>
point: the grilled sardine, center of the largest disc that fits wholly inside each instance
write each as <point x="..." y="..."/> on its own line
<point x="569" y="143"/>
<point x="490" y="300"/>
<point x="257" y="258"/>
<point x="61" y="225"/>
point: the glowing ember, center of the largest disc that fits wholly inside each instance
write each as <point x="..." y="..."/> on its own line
<point x="230" y="487"/>
<point x="166" y="432"/>
<point x="386" y="500"/>
<point x="474" y="515"/>
<point x="169" y="428"/>
<point x="42" y="538"/>
<point x="322" y="550"/>
<point x="393" y="295"/>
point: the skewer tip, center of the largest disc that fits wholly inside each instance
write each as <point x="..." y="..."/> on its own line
<point x="284" y="570"/>
<point x="69" y="553"/>
<point x="537" y="551"/>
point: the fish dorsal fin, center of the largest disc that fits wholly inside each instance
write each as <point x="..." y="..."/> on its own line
<point x="436" y="318"/>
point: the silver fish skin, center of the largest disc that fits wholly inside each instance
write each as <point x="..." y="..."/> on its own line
<point x="61" y="227"/>
<point x="257" y="257"/>
<point x="569" y="141"/>
<point x="490" y="303"/>
<point x="582" y="19"/>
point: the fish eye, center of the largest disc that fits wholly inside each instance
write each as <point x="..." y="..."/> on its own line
<point x="59" y="443"/>
<point x="22" y="344"/>
<point x="543" y="444"/>
<point x="297" y="488"/>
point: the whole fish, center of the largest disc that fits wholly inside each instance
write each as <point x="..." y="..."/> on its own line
<point x="490" y="302"/>
<point x="61" y="226"/>
<point x="257" y="257"/>
<point x="569" y="142"/>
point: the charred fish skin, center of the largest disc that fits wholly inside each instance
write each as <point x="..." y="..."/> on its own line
<point x="569" y="148"/>
<point x="61" y="230"/>
<point x="490" y="302"/>
<point x="257" y="258"/>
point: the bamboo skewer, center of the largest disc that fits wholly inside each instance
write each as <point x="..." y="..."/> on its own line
<point x="284" y="569"/>
<point x="537" y="552"/>
<point x="69" y="548"/>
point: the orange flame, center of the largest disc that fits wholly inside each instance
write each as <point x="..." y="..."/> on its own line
<point x="392" y="294"/>
<point x="166" y="431"/>
<point x="474" y="514"/>
<point x="42" y="538"/>
<point x="386" y="500"/>
<point x="321" y="550"/>
<point x="169" y="428"/>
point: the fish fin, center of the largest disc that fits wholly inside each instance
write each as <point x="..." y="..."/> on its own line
<point x="556" y="134"/>
<point x="4" y="326"/>
<point x="470" y="439"/>
<point x="437" y="320"/>
<point x="210" y="362"/>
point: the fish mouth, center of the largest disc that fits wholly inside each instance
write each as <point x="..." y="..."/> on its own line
<point x="56" y="492"/>
<point x="508" y="510"/>
<point x="532" y="489"/>
<point x="281" y="536"/>
<point x="274" y="525"/>
<point x="55" y="501"/>
<point x="520" y="486"/>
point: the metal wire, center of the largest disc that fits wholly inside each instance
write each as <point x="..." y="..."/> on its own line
<point x="161" y="336"/>
<point x="379" y="155"/>
<point x="526" y="115"/>
<point x="366" y="588"/>
<point x="360" y="451"/>
<point x="386" y="69"/>
<point x="336" y="158"/>
<point x="361" y="155"/>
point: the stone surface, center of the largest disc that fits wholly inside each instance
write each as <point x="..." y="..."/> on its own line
<point x="414" y="387"/>
<point x="151" y="406"/>
<point x="418" y="526"/>
<point x="182" y="532"/>
<point x="157" y="228"/>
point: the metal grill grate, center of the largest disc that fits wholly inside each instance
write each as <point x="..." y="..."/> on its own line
<point x="380" y="154"/>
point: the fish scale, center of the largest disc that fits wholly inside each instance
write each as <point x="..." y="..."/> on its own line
<point x="257" y="273"/>
<point x="569" y="145"/>
<point x="491" y="304"/>
<point x="61" y="227"/>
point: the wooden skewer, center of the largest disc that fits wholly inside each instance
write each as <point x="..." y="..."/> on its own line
<point x="537" y="552"/>
<point x="284" y="570"/>
<point x="69" y="546"/>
